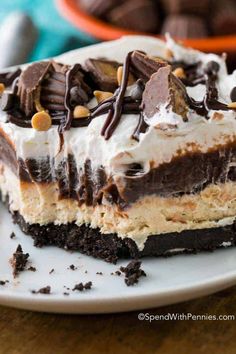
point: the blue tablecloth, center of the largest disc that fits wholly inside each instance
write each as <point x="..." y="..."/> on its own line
<point x="56" y="35"/>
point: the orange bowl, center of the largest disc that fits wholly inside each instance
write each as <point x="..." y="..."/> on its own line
<point x="105" y="31"/>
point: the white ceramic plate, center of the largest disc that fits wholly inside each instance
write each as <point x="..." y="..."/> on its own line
<point x="168" y="280"/>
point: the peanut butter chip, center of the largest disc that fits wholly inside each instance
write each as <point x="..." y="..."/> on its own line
<point x="119" y="74"/>
<point x="131" y="79"/>
<point x="2" y="88"/>
<point x="102" y="95"/>
<point x="217" y="116"/>
<point x="41" y="121"/>
<point x="169" y="54"/>
<point x="179" y="72"/>
<point x="81" y="112"/>
<point x="232" y="105"/>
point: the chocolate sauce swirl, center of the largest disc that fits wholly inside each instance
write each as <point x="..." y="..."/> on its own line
<point x="210" y="100"/>
<point x="120" y="104"/>
<point x="114" y="114"/>
<point x="141" y="127"/>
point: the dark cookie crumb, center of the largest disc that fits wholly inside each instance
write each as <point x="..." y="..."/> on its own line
<point x="86" y="272"/>
<point x="19" y="260"/>
<point x="99" y="273"/>
<point x="72" y="267"/>
<point x="12" y="235"/>
<point x="66" y="294"/>
<point x="133" y="272"/>
<point x="3" y="282"/>
<point x="44" y="290"/>
<point x="117" y="272"/>
<point x="51" y="271"/>
<point x="88" y="285"/>
<point x="81" y="286"/>
<point x="32" y="269"/>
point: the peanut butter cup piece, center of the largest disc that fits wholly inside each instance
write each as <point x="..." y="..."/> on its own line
<point x="223" y="19"/>
<point x="164" y="89"/>
<point x="103" y="74"/>
<point x="28" y="85"/>
<point x="138" y="15"/>
<point x="185" y="26"/>
<point x="98" y="7"/>
<point x="196" y="7"/>
<point x="143" y="65"/>
<point x="53" y="87"/>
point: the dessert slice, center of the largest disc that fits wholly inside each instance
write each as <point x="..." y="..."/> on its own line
<point x="145" y="168"/>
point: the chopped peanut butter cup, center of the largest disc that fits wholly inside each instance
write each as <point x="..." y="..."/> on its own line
<point x="103" y="73"/>
<point x="29" y="82"/>
<point x="139" y="15"/>
<point x="145" y="65"/>
<point x="44" y="86"/>
<point x="164" y="89"/>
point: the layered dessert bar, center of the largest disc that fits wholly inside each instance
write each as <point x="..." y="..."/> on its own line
<point x="125" y="148"/>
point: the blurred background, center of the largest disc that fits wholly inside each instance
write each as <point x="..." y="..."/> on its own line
<point x="54" y="34"/>
<point x="33" y="30"/>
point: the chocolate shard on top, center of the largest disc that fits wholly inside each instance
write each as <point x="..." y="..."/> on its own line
<point x="164" y="88"/>
<point x="103" y="74"/>
<point x="143" y="65"/>
<point x="44" y="85"/>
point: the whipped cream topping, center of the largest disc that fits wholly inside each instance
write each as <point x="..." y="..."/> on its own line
<point x="167" y="136"/>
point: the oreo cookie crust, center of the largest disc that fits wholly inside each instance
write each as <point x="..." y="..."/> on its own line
<point x="110" y="247"/>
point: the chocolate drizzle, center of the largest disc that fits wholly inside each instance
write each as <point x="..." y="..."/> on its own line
<point x="69" y="116"/>
<point x="114" y="114"/>
<point x="141" y="127"/>
<point x="59" y="88"/>
<point x="233" y="94"/>
<point x="210" y="100"/>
